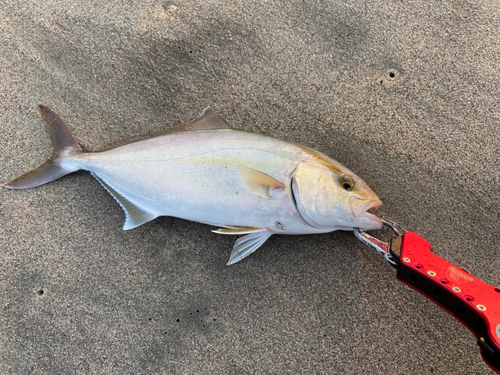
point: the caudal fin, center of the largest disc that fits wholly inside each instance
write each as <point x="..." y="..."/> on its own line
<point x="63" y="144"/>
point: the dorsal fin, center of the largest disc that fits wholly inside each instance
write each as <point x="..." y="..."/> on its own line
<point x="209" y="120"/>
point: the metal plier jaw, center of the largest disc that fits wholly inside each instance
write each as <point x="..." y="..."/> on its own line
<point x="382" y="247"/>
<point x="471" y="301"/>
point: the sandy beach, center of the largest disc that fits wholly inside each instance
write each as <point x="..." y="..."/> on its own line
<point x="405" y="94"/>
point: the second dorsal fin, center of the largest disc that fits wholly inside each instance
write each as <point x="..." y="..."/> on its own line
<point x="209" y="120"/>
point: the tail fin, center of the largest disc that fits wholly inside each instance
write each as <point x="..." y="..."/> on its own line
<point x="63" y="144"/>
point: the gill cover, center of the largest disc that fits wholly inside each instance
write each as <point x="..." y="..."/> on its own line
<point x="320" y="199"/>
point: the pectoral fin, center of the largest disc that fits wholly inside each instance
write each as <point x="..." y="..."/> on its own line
<point x="260" y="182"/>
<point x="135" y="216"/>
<point x="246" y="245"/>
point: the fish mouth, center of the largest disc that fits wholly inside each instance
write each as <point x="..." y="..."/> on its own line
<point x="360" y="209"/>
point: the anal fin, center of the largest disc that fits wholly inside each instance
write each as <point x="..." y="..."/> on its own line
<point x="135" y="216"/>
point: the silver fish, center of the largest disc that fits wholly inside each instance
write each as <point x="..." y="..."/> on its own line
<point x="204" y="171"/>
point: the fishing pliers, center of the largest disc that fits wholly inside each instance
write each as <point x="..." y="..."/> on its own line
<point x="471" y="301"/>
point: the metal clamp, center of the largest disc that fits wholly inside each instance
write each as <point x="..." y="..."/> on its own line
<point x="382" y="247"/>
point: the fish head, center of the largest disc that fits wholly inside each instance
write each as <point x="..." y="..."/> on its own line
<point x="329" y="196"/>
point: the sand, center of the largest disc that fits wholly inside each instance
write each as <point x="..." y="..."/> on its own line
<point x="406" y="94"/>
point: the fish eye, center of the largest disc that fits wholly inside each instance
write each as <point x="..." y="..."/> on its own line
<point x="346" y="182"/>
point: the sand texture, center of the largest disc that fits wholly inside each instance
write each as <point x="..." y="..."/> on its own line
<point x="404" y="93"/>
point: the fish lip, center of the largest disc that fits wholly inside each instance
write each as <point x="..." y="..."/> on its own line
<point x="374" y="219"/>
<point x="361" y="209"/>
<point x="361" y="212"/>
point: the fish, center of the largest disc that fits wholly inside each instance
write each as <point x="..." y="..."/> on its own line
<point x="241" y="182"/>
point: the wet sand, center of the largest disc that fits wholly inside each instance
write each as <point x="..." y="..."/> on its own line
<point x="404" y="94"/>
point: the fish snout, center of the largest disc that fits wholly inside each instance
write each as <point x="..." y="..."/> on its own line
<point x="360" y="207"/>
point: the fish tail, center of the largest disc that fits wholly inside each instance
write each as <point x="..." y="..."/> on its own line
<point x="64" y="146"/>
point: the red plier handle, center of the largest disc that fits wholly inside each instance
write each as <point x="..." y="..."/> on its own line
<point x="470" y="300"/>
